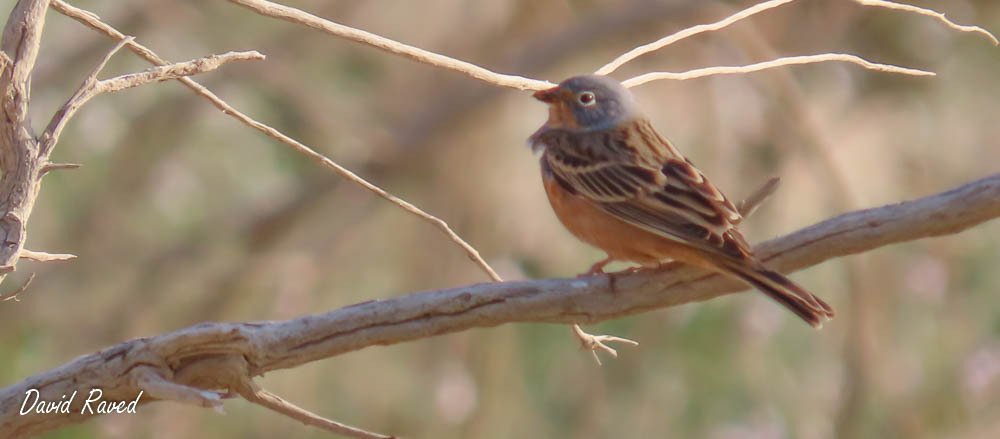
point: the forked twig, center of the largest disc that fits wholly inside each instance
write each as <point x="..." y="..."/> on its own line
<point x="593" y="343"/>
<point x="93" y="87"/>
<point x="13" y="295"/>
<point x="91" y="20"/>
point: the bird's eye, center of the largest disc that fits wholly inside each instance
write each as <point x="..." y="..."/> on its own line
<point x="587" y="98"/>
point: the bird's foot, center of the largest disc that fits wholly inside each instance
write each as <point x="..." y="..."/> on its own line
<point x="594" y="342"/>
<point x="597" y="268"/>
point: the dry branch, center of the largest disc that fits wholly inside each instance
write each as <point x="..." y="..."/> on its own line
<point x="780" y="62"/>
<point x="214" y="356"/>
<point x="15" y="295"/>
<point x="761" y="7"/>
<point x="417" y="54"/>
<point x="91" y="20"/>
<point x="687" y="33"/>
<point x="45" y="257"/>
<point x="92" y="87"/>
<point x="250" y="391"/>
<point x="24" y="159"/>
<point x="188" y="365"/>
<point x="20" y="162"/>
<point x="930" y="13"/>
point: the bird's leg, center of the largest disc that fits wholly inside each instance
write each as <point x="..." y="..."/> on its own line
<point x="594" y="342"/>
<point x="597" y="268"/>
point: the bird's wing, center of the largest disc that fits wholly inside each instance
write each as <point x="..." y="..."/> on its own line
<point x="635" y="175"/>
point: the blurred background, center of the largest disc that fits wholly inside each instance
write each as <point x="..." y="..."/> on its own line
<point x="182" y="215"/>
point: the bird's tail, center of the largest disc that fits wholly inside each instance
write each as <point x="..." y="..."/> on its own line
<point x="810" y="308"/>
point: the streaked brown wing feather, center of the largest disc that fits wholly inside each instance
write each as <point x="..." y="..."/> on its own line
<point x="597" y="171"/>
<point x="653" y="188"/>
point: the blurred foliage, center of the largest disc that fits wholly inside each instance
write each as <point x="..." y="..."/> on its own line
<point x="181" y="215"/>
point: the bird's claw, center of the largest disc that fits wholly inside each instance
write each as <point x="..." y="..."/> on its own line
<point x="597" y="268"/>
<point x="592" y="343"/>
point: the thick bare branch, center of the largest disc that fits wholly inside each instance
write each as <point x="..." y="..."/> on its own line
<point x="19" y="164"/>
<point x="190" y="357"/>
<point x="21" y="38"/>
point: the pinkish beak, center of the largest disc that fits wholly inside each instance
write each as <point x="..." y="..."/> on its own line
<point x="550" y="95"/>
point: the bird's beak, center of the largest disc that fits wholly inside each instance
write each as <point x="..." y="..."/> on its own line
<point x="550" y="95"/>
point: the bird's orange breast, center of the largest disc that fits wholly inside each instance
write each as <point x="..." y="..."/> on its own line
<point x="619" y="239"/>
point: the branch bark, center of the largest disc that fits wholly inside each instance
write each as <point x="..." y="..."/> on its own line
<point x="24" y="158"/>
<point x="20" y="162"/>
<point x="213" y="356"/>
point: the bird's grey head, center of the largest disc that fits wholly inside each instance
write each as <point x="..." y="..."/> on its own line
<point x="588" y="102"/>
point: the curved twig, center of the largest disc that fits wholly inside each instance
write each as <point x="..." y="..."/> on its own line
<point x="417" y="54"/>
<point x="774" y="63"/>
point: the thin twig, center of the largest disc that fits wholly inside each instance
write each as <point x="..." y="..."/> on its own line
<point x="689" y="32"/>
<point x="86" y="91"/>
<point x="45" y="257"/>
<point x="761" y="7"/>
<point x="417" y="54"/>
<point x="930" y="13"/>
<point x="13" y="294"/>
<point x="780" y="62"/>
<point x="91" y="20"/>
<point x="176" y="70"/>
<point x="157" y="387"/>
<point x="252" y="392"/>
<point x="49" y="167"/>
<point x="750" y="204"/>
<point x="593" y="343"/>
<point x="91" y="87"/>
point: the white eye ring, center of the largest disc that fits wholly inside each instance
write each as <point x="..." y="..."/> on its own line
<point x="586" y="98"/>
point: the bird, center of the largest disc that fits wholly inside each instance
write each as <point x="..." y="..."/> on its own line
<point x="618" y="185"/>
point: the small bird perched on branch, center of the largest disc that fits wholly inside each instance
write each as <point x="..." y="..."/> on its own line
<point x="618" y="185"/>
